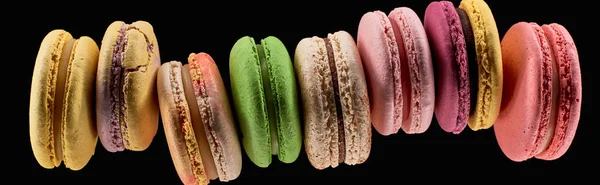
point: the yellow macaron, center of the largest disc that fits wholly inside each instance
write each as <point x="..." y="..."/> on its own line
<point x="489" y="60"/>
<point x="61" y="113"/>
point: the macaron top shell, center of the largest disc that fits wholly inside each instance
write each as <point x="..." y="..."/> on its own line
<point x="489" y="58"/>
<point x="68" y="134"/>
<point x="127" y="108"/>
<point x="250" y="102"/>
<point x="445" y="33"/>
<point x="417" y="70"/>
<point x="378" y="49"/>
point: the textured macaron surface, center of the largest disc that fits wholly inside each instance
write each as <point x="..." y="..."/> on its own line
<point x="353" y="97"/>
<point x="79" y="135"/>
<point x="127" y="108"/>
<point x="335" y="100"/>
<point x="489" y="58"/>
<point x="445" y="34"/>
<point x="217" y="118"/>
<point x="471" y="58"/>
<point x="318" y="100"/>
<point x="250" y="100"/>
<point x="62" y="125"/>
<point x="527" y="99"/>
<point x="285" y="93"/>
<point x="569" y="90"/>
<point x="542" y="102"/>
<point x="378" y="48"/>
<point x="417" y="70"/>
<point x="178" y="126"/>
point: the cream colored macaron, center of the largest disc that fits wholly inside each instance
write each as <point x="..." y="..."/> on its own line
<point x="61" y="111"/>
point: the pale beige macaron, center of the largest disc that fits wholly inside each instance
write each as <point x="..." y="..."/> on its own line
<point x="61" y="112"/>
<point x="126" y="99"/>
<point x="335" y="100"/>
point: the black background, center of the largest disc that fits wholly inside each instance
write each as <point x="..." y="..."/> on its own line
<point x="202" y="27"/>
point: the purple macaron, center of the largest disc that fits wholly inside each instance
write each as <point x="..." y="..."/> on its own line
<point x="447" y="41"/>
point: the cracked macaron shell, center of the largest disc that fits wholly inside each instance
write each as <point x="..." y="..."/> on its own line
<point x="489" y="59"/>
<point x="77" y="133"/>
<point x="140" y="63"/>
<point x="250" y="104"/>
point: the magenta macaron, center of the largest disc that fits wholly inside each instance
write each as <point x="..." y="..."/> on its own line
<point x="397" y="61"/>
<point x="541" y="101"/>
<point x="449" y="51"/>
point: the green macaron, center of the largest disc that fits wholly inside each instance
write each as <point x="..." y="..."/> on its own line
<point x="265" y="98"/>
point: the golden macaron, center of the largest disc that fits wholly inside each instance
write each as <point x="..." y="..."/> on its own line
<point x="489" y="60"/>
<point x="61" y="112"/>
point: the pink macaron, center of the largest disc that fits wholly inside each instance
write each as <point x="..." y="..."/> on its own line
<point x="397" y="60"/>
<point x="541" y="100"/>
